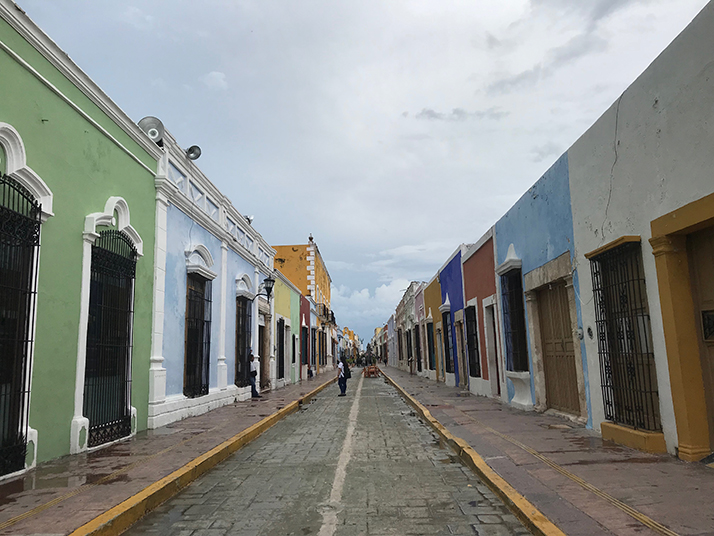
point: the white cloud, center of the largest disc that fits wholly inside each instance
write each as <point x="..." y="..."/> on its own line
<point x="312" y="134"/>
<point x="214" y="80"/>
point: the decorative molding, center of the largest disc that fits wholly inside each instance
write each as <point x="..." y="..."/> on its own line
<point x="199" y="261"/>
<point x="512" y="262"/>
<point x="446" y="306"/>
<point x="230" y="223"/>
<point x="17" y="168"/>
<point x="244" y="287"/>
<point x="106" y="218"/>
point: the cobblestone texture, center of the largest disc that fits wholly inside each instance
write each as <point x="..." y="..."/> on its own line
<point x="400" y="479"/>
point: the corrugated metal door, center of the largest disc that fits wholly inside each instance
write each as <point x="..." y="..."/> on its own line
<point x="561" y="388"/>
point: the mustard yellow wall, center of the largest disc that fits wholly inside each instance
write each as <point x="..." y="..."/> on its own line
<point x="432" y="299"/>
<point x="292" y="263"/>
<point x="322" y="278"/>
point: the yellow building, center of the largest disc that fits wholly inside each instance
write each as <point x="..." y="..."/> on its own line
<point x="304" y="266"/>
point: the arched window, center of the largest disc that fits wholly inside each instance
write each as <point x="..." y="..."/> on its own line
<point x="20" y="219"/>
<point x="107" y="381"/>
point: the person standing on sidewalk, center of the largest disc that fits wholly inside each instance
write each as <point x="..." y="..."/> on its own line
<point x="342" y="377"/>
<point x="253" y="374"/>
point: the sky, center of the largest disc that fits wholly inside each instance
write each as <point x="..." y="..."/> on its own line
<point x="392" y="130"/>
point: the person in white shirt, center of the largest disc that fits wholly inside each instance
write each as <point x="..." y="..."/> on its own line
<point x="253" y="374"/>
<point x="341" y="378"/>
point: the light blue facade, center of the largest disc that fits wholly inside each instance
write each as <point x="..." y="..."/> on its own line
<point x="452" y="284"/>
<point x="540" y="227"/>
<point x="182" y="233"/>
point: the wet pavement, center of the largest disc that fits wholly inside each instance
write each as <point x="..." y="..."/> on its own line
<point x="359" y="465"/>
<point x="61" y="495"/>
<point x="580" y="482"/>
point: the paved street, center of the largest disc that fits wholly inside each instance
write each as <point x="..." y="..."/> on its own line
<point x="363" y="464"/>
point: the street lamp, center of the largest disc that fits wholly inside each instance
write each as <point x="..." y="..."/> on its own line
<point x="268" y="284"/>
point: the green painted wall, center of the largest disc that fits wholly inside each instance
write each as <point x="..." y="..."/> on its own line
<point x="83" y="168"/>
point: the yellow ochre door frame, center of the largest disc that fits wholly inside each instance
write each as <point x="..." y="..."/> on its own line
<point x="669" y="246"/>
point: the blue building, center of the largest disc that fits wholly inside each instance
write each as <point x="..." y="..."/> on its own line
<point x="538" y="286"/>
<point x="209" y="313"/>
<point x="452" y="320"/>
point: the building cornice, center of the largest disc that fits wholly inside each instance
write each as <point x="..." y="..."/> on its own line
<point x="30" y="32"/>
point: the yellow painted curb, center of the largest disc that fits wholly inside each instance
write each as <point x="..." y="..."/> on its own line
<point x="521" y="507"/>
<point x="118" y="519"/>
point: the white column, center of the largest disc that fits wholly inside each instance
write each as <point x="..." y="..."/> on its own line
<point x="79" y="430"/>
<point x="157" y="372"/>
<point x="255" y="344"/>
<point x="222" y="368"/>
<point x="271" y="350"/>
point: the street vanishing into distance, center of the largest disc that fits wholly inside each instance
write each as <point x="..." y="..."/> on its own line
<point x="362" y="464"/>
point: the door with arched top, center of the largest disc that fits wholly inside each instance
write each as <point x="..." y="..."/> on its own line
<point x="19" y="243"/>
<point x="107" y="381"/>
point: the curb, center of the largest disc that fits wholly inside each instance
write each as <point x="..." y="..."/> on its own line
<point x="521" y="507"/>
<point x="119" y="518"/>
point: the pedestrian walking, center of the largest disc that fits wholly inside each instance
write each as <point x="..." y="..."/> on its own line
<point x="253" y="374"/>
<point x="342" y="375"/>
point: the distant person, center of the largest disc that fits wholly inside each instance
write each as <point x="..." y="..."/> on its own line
<point x="253" y="374"/>
<point x="309" y="372"/>
<point x="342" y="372"/>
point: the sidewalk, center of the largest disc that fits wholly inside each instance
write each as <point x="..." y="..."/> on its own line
<point x="581" y="483"/>
<point x="59" y="496"/>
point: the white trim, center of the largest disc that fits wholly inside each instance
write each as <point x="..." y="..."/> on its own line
<point x="199" y="260"/>
<point x="76" y="108"/>
<point x="106" y="218"/>
<point x="80" y="424"/>
<point x="473" y="248"/>
<point x="222" y="367"/>
<point x="244" y="287"/>
<point x="178" y="407"/>
<point x="512" y="262"/>
<point x="446" y="306"/>
<point x="29" y="31"/>
<point x="16" y="167"/>
<point x="157" y="372"/>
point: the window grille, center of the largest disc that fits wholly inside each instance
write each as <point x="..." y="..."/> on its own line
<point x="107" y="379"/>
<point x="627" y="368"/>
<point x="472" y="343"/>
<point x="281" y="348"/>
<point x="514" y="322"/>
<point x="19" y="242"/>
<point x="430" y="344"/>
<point x="244" y="317"/>
<point x="448" y="342"/>
<point x="198" y="336"/>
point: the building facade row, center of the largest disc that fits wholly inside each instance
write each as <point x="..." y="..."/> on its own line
<point x="132" y="292"/>
<point x="592" y="296"/>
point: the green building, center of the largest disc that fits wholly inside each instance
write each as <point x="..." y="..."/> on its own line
<point x="77" y="215"/>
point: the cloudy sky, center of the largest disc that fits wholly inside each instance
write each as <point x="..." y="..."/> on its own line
<point x="392" y="130"/>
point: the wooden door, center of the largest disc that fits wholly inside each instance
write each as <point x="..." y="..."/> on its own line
<point x="561" y="385"/>
<point x="701" y="253"/>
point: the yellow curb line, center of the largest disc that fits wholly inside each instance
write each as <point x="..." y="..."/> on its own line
<point x="118" y="519"/>
<point x="521" y="507"/>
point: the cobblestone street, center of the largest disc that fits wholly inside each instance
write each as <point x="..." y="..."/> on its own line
<point x="398" y="478"/>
